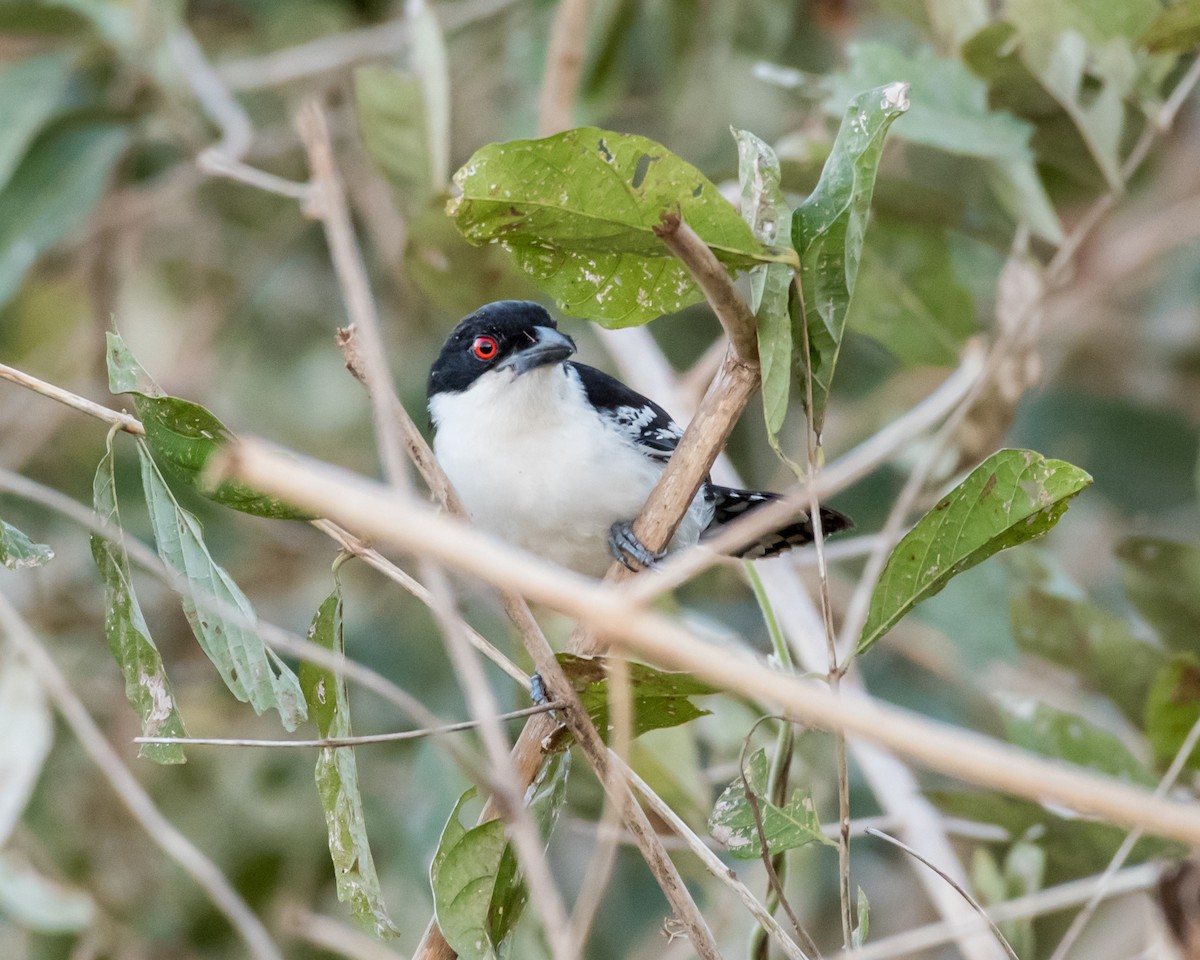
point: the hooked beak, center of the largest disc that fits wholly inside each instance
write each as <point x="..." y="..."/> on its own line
<point x="550" y="347"/>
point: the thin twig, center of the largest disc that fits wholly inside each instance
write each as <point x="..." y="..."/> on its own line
<point x="564" y="67"/>
<point x="333" y="936"/>
<point x="135" y="799"/>
<point x="1050" y="900"/>
<point x="374" y="511"/>
<point x="736" y="317"/>
<point x="764" y="847"/>
<point x="507" y="791"/>
<point x="813" y="454"/>
<point x="350" y="741"/>
<point x="1081" y="920"/>
<point x="341" y="50"/>
<point x="599" y="869"/>
<point x="122" y="420"/>
<point x="713" y="864"/>
<point x="958" y="888"/>
<point x="328" y="204"/>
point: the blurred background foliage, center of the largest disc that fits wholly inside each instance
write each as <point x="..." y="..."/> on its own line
<point x="1022" y="113"/>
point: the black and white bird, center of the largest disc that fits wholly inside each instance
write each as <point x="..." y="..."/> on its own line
<point x="558" y="457"/>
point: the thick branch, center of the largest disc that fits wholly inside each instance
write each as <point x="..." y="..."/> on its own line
<point x="376" y="512"/>
<point x="713" y="279"/>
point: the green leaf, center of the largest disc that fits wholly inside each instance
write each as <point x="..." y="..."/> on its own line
<point x="464" y="875"/>
<point x="1094" y="644"/>
<point x="478" y="892"/>
<point x="577" y="212"/>
<point x="18" y="552"/>
<point x="1052" y="733"/>
<point x="1172" y="709"/>
<point x="1012" y="497"/>
<point x="1162" y="579"/>
<point x="909" y="296"/>
<point x="30" y="90"/>
<point x="395" y="130"/>
<point x="1073" y="846"/>
<point x="337" y="778"/>
<point x="732" y="821"/>
<point x="184" y="435"/>
<point x="26" y="733"/>
<point x="828" y="229"/>
<point x="220" y="615"/>
<point x="658" y="699"/>
<point x="1176" y="29"/>
<point x="39" y="903"/>
<point x="53" y="190"/>
<point x="146" y="685"/>
<point x="948" y="104"/>
<point x="769" y="218"/>
<point x="862" y="929"/>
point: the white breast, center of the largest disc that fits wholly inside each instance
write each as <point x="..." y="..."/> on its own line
<point x="535" y="464"/>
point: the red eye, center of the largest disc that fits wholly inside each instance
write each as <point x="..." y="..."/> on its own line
<point x="484" y="348"/>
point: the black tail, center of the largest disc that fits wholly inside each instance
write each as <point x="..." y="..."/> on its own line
<point x="729" y="504"/>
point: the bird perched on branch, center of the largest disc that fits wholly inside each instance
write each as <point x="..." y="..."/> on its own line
<point x="558" y="457"/>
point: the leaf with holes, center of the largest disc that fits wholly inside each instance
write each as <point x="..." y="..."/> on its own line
<point x="146" y="685"/>
<point x="733" y="824"/>
<point x="337" y="778"/>
<point x="1012" y="497"/>
<point x="220" y="615"/>
<point x="828" y="229"/>
<point x="18" y="552"/>
<point x="184" y="435"/>
<point x="577" y="211"/>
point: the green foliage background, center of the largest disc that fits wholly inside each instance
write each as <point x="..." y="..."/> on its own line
<point x="1021" y="115"/>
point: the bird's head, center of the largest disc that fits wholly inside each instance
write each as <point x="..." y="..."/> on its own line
<point x="508" y="335"/>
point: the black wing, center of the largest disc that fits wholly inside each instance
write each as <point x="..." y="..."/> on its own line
<point x="643" y="421"/>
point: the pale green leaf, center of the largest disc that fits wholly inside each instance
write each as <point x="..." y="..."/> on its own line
<point x="862" y="929"/>
<point x="828" y="229"/>
<point x="39" y="903"/>
<point x="26" y="733"/>
<point x="337" y="778"/>
<point x="770" y="219"/>
<point x="1096" y="645"/>
<point x="577" y="211"/>
<point x="1162" y="579"/>
<point x="30" y="90"/>
<point x="52" y="191"/>
<point x="1173" y="708"/>
<point x="1176" y="29"/>
<point x="18" y="552"/>
<point x="146" y="685"/>
<point x="1012" y="497"/>
<point x="395" y="130"/>
<point x="1040" y="728"/>
<point x="732" y="822"/>
<point x="220" y="615"/>
<point x="910" y="297"/>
